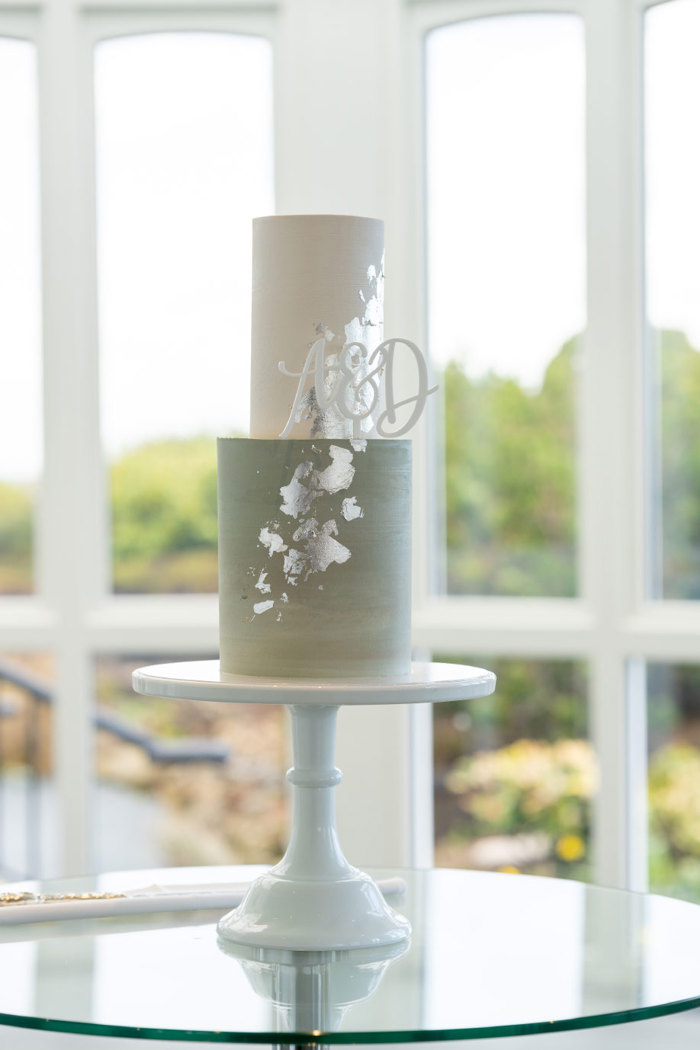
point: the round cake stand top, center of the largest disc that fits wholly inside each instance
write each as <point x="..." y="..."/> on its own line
<point x="203" y="680"/>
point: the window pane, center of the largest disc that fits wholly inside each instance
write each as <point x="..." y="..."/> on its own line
<point x="184" y="160"/>
<point x="192" y="783"/>
<point x="515" y="773"/>
<point x="672" y="88"/>
<point x="506" y="225"/>
<point x="28" y="845"/>
<point x="674" y="778"/>
<point x="20" y="365"/>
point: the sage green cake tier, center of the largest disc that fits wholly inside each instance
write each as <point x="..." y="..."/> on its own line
<point x="314" y="557"/>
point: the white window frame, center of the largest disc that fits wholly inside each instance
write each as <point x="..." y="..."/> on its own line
<point x="613" y="625"/>
<point x="72" y="614"/>
<point x="349" y="137"/>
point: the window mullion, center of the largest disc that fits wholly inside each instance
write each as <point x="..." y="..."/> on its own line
<point x="71" y="532"/>
<point x="611" y="493"/>
<point x="333" y="158"/>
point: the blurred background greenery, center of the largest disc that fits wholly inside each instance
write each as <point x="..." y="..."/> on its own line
<point x="164" y="518"/>
<point x="509" y="500"/>
<point x="509" y="491"/>
<point x="515" y="773"/>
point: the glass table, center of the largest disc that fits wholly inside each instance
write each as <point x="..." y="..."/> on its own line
<point x="490" y="955"/>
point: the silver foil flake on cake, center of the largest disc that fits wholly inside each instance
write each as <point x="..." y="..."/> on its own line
<point x="307" y="544"/>
<point x="368" y="328"/>
<point x="339" y="386"/>
<point x="294" y="562"/>
<point x="261" y="585"/>
<point x="271" y="539"/>
<point x="339" y="474"/>
<point x="318" y="405"/>
<point x="320" y="549"/>
<point x="296" y="496"/>
<point x="326" y="422"/>
<point x="351" y="510"/>
<point x="308" y="483"/>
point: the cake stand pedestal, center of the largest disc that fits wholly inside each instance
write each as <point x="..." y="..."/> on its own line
<point x="314" y="899"/>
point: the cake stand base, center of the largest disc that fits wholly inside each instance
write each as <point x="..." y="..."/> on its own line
<point x="314" y="916"/>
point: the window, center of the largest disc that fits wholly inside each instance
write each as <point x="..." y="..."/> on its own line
<point x="182" y="167"/>
<point x="20" y="341"/>
<point x="505" y="137"/>
<point x="28" y="844"/>
<point x="195" y="783"/>
<point x="531" y="167"/>
<point x="610" y="456"/>
<point x="505" y="140"/>
<point x="515" y="773"/>
<point x="145" y="234"/>
<point x="673" y="701"/>
<point x="672" y="171"/>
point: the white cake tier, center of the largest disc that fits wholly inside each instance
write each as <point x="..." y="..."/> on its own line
<point x="314" y="557"/>
<point x="315" y="277"/>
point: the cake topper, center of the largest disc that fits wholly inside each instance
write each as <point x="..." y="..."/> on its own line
<point x="350" y="381"/>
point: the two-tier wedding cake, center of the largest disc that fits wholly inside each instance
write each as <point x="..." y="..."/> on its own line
<point x="315" y="507"/>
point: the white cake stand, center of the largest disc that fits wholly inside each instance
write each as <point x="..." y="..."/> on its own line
<point x="314" y="900"/>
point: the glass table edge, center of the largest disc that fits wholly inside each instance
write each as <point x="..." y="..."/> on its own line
<point x="318" y="1038"/>
<point x="367" y="1038"/>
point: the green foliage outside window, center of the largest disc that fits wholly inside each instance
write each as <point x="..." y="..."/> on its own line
<point x="16" y="512"/>
<point x="510" y="529"/>
<point x="164" y="528"/>
<point x="679" y="369"/>
<point x="515" y="775"/>
<point x="674" y="811"/>
<point x="509" y="482"/>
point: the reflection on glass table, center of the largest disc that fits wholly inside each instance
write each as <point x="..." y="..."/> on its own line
<point x="491" y="955"/>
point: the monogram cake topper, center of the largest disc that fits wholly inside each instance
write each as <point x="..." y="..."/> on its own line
<point x="349" y="382"/>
